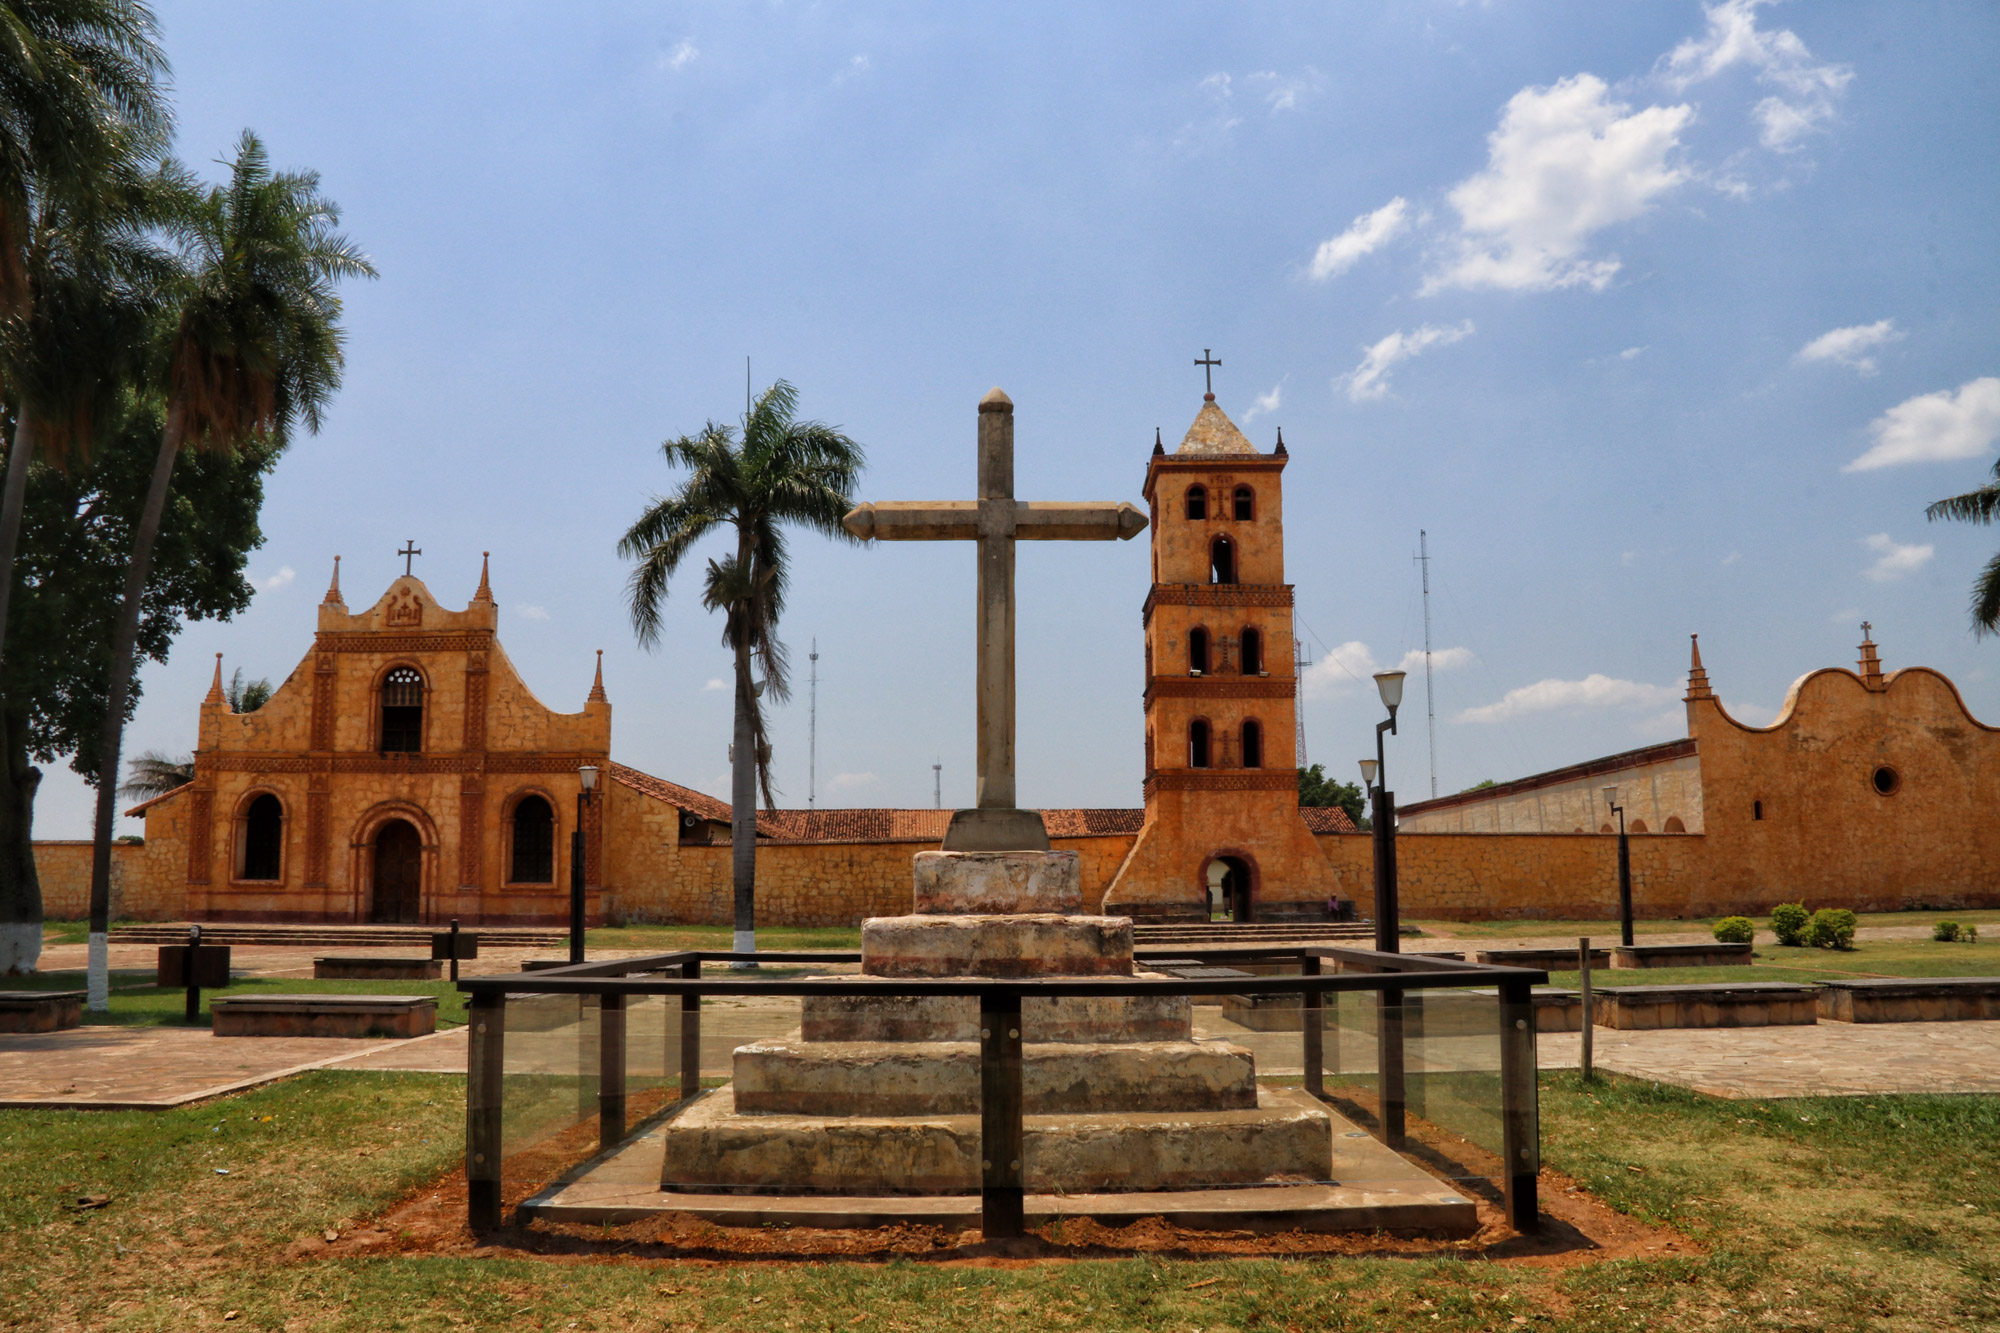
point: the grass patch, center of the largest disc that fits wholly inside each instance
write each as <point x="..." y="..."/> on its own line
<point x="137" y="1002"/>
<point x="1537" y="929"/>
<point x="1868" y="958"/>
<point x="1823" y="1213"/>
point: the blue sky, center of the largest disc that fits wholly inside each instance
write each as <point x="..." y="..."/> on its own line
<point x="1658" y="317"/>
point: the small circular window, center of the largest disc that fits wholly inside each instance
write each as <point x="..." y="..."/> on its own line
<point x="1887" y="780"/>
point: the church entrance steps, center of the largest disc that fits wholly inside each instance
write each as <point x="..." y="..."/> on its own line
<point x="917" y="1078"/>
<point x="1368" y="1188"/>
<point x="1080" y="1018"/>
<point x="1024" y="945"/>
<point x="334" y="937"/>
<point x="711" y="1146"/>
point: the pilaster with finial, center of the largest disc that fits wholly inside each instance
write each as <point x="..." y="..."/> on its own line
<point x="1697" y="677"/>
<point x="1870" y="663"/>
<point x="485" y="593"/>
<point x="597" y="694"/>
<point x="333" y="597"/>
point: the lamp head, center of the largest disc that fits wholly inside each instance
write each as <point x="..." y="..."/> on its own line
<point x="1611" y="796"/>
<point x="1390" y="683"/>
<point x="587" y="775"/>
<point x="1368" y="770"/>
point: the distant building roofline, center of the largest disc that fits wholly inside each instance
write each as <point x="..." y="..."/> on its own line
<point x="1664" y="752"/>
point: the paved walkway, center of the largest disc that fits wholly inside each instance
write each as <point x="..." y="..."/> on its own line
<point x="1824" y="1059"/>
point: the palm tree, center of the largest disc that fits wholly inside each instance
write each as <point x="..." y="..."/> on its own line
<point x="254" y="348"/>
<point x="1980" y="506"/>
<point x="784" y="471"/>
<point x="81" y="109"/>
<point x="152" y="773"/>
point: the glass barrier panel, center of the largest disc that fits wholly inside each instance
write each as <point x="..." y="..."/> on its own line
<point x="549" y="1085"/>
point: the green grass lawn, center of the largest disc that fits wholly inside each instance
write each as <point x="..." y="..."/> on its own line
<point x="1868" y="958"/>
<point x="137" y="1002"/>
<point x="1858" y="1213"/>
<point x="1536" y="929"/>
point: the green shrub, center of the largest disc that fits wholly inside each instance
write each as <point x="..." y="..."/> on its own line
<point x="1788" y="921"/>
<point x="1944" y="932"/>
<point x="1735" y="930"/>
<point x="1832" y="928"/>
<point x="1968" y="934"/>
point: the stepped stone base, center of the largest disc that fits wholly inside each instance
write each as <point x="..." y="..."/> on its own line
<point x="1026" y="945"/>
<point x="711" y="1147"/>
<point x="905" y="1078"/>
<point x="997" y="882"/>
<point x="956" y="1017"/>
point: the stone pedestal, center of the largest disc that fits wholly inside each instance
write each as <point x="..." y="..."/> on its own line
<point x="881" y="1095"/>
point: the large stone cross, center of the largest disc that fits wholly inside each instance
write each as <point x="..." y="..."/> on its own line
<point x="996" y="520"/>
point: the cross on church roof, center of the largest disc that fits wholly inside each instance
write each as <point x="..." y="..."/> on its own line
<point x="1208" y="361"/>
<point x="1865" y="628"/>
<point x="410" y="550"/>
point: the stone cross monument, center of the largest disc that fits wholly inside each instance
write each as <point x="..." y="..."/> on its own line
<point x="996" y="520"/>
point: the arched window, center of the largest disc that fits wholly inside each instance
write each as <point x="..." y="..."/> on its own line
<point x="534" y="860"/>
<point x="263" y="853"/>
<point x="403" y="710"/>
<point x="1638" y="826"/>
<point x="1674" y="825"/>
<point x="1222" y="561"/>
<point x="1246" y="504"/>
<point x="1197" y="502"/>
<point x="1198" y="652"/>
<point x="1197" y="744"/>
<point x="1253" y="652"/>
<point x="1253" y="744"/>
<point x="1606" y="828"/>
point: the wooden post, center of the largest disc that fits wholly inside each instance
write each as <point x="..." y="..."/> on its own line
<point x="1314" y="1031"/>
<point x="690" y="1034"/>
<point x="483" y="1094"/>
<point x="1001" y="1140"/>
<point x="610" y="1071"/>
<point x="1518" y="1112"/>
<point x="1589" y="1017"/>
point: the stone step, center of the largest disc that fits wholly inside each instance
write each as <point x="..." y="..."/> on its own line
<point x="901" y="1078"/>
<point x="956" y="1017"/>
<point x="1027" y="945"/>
<point x="710" y="1147"/>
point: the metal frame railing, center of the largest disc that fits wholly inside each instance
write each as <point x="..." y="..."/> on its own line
<point x="1398" y="982"/>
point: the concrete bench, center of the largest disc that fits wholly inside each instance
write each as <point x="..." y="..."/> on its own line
<point x="1910" y="1000"/>
<point x="377" y="969"/>
<point x="324" y="1015"/>
<point x="40" y="1010"/>
<point x="1750" y="1004"/>
<point x="1542" y="960"/>
<point x="1715" y="954"/>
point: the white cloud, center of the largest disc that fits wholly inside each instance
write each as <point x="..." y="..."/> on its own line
<point x="1370" y="378"/>
<point x="1756" y="715"/>
<point x="1353" y="664"/>
<point x="1935" y="427"/>
<point x="1367" y="234"/>
<point x="278" y="580"/>
<point x="1844" y="618"/>
<point x="1807" y="90"/>
<point x="1895" y="559"/>
<point x="1210" y="128"/>
<point x="1851" y="346"/>
<point x="854" y="69"/>
<point x="529" y="611"/>
<point x="1283" y="92"/>
<point x="1565" y="163"/>
<point x="715" y="683"/>
<point x="1631" y="354"/>
<point x="1265" y="403"/>
<point x="680" y="57"/>
<point x="849" y="781"/>
<point x="1594" y="691"/>
<point x="1732" y="557"/>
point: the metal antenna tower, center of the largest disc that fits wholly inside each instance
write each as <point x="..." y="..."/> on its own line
<point x="746" y="390"/>
<point x="1423" y="559"/>
<point x="937" y="784"/>
<point x="1299" y="664"/>
<point x="812" y="726"/>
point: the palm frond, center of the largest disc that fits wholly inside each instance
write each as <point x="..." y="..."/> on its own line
<point x="1986" y="600"/>
<point x="1980" y="506"/>
<point x="150" y="774"/>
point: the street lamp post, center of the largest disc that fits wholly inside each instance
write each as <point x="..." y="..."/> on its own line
<point x="1388" y="912"/>
<point x="586" y="777"/>
<point x="1624" y="869"/>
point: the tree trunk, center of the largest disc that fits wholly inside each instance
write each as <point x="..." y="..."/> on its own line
<point x="13" y="497"/>
<point x="743" y="792"/>
<point x="124" y="645"/>
<point x="20" y="888"/>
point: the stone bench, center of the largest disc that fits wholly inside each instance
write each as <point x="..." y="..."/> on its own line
<point x="376" y="969"/>
<point x="40" y="1010"/>
<point x="1716" y="954"/>
<point x="324" y="1015"/>
<point x="1750" y="1004"/>
<point x="1542" y="960"/>
<point x="1910" y="1000"/>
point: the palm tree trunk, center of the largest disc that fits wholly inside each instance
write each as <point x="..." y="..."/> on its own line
<point x="124" y="644"/>
<point x="13" y="500"/>
<point x="743" y="808"/>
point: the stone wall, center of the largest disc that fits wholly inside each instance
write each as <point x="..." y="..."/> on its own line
<point x="63" y="867"/>
<point x="1659" y="797"/>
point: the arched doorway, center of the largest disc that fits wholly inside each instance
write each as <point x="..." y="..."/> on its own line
<point x="1228" y="889"/>
<point x="398" y="874"/>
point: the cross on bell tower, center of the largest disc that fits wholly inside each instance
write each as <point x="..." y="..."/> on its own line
<point x="410" y="551"/>
<point x="1208" y="361"/>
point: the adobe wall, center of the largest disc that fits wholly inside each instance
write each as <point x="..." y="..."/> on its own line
<point x="138" y="892"/>
<point x="1651" y="794"/>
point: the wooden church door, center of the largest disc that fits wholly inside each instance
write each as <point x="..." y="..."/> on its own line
<point x="399" y="876"/>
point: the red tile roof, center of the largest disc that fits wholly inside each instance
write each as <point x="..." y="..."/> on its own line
<point x="144" y="806"/>
<point x="686" y="798"/>
<point x="1327" y="819"/>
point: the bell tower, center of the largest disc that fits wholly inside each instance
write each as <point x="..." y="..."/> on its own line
<point x="1222" y="810"/>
